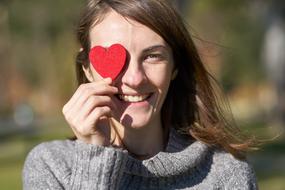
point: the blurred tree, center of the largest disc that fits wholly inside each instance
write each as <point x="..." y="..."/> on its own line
<point x="4" y="55"/>
<point x="237" y="29"/>
<point x="37" y="52"/>
<point x="182" y="5"/>
<point x="274" y="56"/>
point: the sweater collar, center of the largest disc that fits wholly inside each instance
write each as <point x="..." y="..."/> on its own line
<point x="181" y="155"/>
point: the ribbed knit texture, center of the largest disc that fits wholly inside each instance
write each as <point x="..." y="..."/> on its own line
<point x="184" y="165"/>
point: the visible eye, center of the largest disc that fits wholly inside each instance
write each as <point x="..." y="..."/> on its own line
<point x="153" y="57"/>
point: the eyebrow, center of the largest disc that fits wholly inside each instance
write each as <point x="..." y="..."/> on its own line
<point x="153" y="48"/>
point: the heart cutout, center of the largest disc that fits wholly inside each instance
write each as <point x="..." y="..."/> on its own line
<point x="108" y="62"/>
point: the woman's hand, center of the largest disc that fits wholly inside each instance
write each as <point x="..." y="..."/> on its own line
<point x="88" y="112"/>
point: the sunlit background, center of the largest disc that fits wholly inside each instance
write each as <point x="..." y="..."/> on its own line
<point x="241" y="42"/>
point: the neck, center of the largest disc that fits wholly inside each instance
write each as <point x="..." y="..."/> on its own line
<point x="143" y="143"/>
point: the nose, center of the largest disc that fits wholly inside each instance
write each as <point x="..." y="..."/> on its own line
<point x="134" y="75"/>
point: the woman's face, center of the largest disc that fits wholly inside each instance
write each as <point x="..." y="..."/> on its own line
<point x="144" y="82"/>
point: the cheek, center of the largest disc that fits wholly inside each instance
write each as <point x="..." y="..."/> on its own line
<point x="159" y="76"/>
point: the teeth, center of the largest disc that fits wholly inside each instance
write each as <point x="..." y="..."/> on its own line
<point x="129" y="98"/>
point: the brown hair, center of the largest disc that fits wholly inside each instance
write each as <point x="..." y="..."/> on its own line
<point x="191" y="104"/>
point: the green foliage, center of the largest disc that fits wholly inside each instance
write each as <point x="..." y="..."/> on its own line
<point x="239" y="30"/>
<point x="36" y="28"/>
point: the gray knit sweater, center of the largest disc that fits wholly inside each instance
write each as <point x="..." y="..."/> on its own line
<point x="184" y="165"/>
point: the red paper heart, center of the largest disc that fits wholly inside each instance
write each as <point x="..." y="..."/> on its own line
<point x="108" y="62"/>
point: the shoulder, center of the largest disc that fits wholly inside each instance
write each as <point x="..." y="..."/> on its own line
<point x="225" y="161"/>
<point x="49" y="153"/>
<point x="48" y="164"/>
<point x="57" y="147"/>
<point x="233" y="173"/>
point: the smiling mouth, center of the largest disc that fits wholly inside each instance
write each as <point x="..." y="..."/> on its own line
<point x="133" y="98"/>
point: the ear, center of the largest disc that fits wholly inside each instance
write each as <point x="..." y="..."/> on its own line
<point x="88" y="73"/>
<point x="174" y="74"/>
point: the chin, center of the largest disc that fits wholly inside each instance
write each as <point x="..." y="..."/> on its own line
<point x="135" y="121"/>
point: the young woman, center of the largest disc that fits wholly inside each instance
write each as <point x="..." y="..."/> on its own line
<point x="155" y="126"/>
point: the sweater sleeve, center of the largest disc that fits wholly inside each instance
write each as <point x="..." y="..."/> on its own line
<point x="97" y="167"/>
<point x="73" y="165"/>
<point x="39" y="171"/>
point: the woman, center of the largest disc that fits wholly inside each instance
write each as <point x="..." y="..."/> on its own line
<point x="155" y="126"/>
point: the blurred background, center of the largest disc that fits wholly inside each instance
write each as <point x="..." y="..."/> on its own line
<point x="241" y="42"/>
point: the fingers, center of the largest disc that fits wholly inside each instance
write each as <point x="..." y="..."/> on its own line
<point x="82" y="110"/>
<point x="88" y="105"/>
<point x="96" y="88"/>
<point x="88" y="126"/>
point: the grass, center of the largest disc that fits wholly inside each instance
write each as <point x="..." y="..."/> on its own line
<point x="11" y="163"/>
<point x="273" y="182"/>
<point x="10" y="175"/>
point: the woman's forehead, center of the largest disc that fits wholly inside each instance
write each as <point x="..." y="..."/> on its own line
<point x="114" y="28"/>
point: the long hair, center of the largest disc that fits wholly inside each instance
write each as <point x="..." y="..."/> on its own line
<point x="191" y="104"/>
